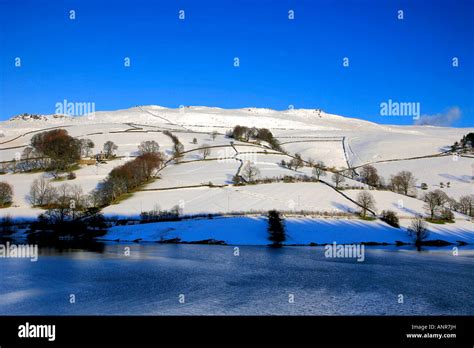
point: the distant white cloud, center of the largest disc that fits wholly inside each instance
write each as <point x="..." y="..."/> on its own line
<point x="442" y="119"/>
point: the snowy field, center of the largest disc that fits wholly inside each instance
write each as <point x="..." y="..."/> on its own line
<point x="252" y="231"/>
<point x="458" y="171"/>
<point x="331" y="152"/>
<point x="337" y="141"/>
<point x="286" y="197"/>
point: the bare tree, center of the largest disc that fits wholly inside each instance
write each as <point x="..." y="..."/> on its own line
<point x="77" y="197"/>
<point x="452" y="204"/>
<point x="86" y="147"/>
<point x="62" y="204"/>
<point x="6" y="194"/>
<point x="466" y="204"/>
<point x="318" y="170"/>
<point x="337" y="178"/>
<point x="435" y="201"/>
<point x="26" y="156"/>
<point x="41" y="192"/>
<point x="418" y="230"/>
<point x="32" y="159"/>
<point x="297" y="162"/>
<point x="250" y="172"/>
<point x="126" y="178"/>
<point x="177" y="151"/>
<point x="366" y="202"/>
<point x="4" y="167"/>
<point x="26" y="161"/>
<point x="205" y="151"/>
<point x="369" y="175"/>
<point x="148" y="146"/>
<point x="6" y="225"/>
<point x="403" y="182"/>
<point x="109" y="149"/>
<point x="390" y="217"/>
<point x="250" y="133"/>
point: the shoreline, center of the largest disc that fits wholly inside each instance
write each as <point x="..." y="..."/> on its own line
<point x="252" y="230"/>
<point x="429" y="243"/>
<point x="300" y="231"/>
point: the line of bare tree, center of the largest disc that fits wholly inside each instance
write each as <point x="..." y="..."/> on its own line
<point x="178" y="147"/>
<point x="127" y="177"/>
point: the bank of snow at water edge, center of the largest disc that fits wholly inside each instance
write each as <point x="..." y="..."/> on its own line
<point x="253" y="231"/>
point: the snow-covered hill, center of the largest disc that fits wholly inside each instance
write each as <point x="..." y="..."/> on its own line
<point x="339" y="142"/>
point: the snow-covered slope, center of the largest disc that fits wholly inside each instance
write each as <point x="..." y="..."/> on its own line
<point x="318" y="136"/>
<point x="364" y="141"/>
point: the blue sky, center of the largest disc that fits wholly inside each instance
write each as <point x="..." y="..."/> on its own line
<point x="282" y="62"/>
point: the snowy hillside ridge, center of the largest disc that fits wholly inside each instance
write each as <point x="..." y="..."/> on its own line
<point x="204" y="116"/>
<point x="126" y="115"/>
<point x="34" y="117"/>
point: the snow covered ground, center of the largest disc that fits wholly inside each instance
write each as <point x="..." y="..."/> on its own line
<point x="337" y="141"/>
<point x="252" y="231"/>
<point x="330" y="151"/>
<point x="285" y="197"/>
<point x="458" y="171"/>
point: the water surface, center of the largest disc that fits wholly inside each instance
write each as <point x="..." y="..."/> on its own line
<point x="261" y="281"/>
